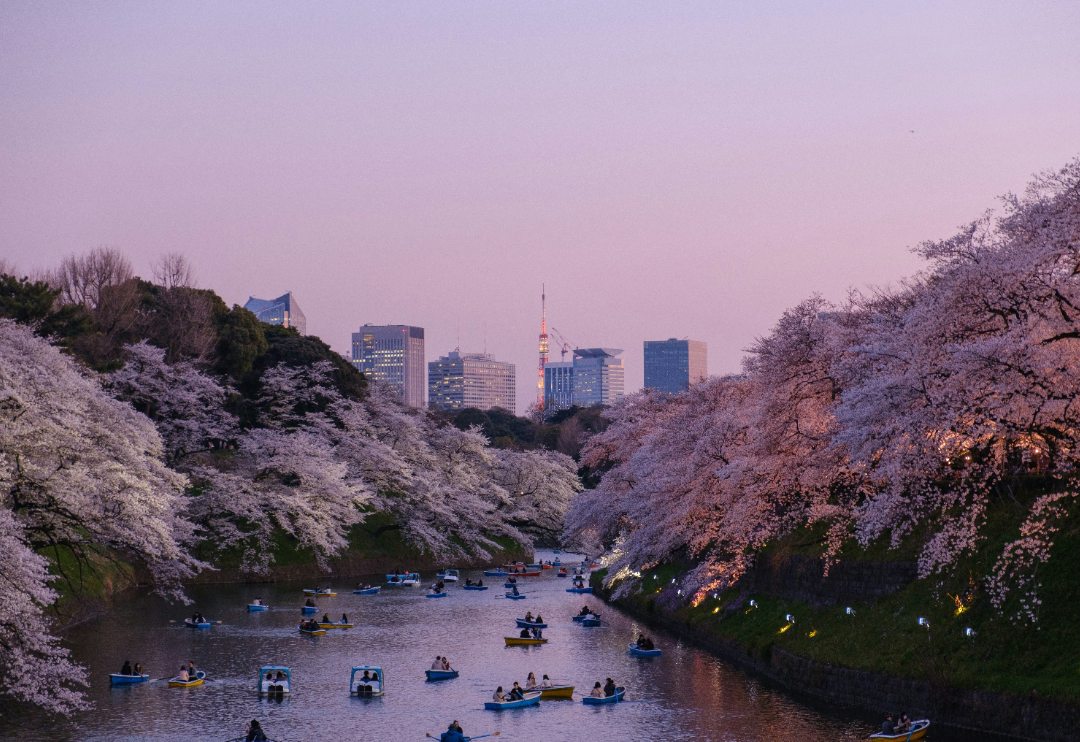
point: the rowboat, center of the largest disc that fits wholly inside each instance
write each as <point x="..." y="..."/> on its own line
<point x="117" y="678"/>
<point x="321" y="593"/>
<point x="538" y="565"/>
<point x="917" y="731"/>
<point x="367" y="591"/>
<point x="403" y="579"/>
<point x="312" y="632"/>
<point x="531" y="699"/>
<point x="579" y="589"/>
<point x="273" y="687"/>
<point x="530" y="573"/>
<point x="518" y="596"/>
<point x="436" y="595"/>
<point x="590" y="701"/>
<point x="643" y="652"/>
<point x="509" y="584"/>
<point x="590" y="622"/>
<point x="199" y="679"/>
<point x="257" y="607"/>
<point x="197" y="625"/>
<point x="557" y="692"/>
<point x="370" y="687"/>
<point x="495" y="573"/>
<point x="580" y="619"/>
<point x="475" y="587"/>
<point x="433" y="675"/>
<point x="523" y="624"/>
<point x="547" y="566"/>
<point x="448" y="575"/>
<point x="517" y="641"/>
<point x="560" y="574"/>
<point x="335" y="625"/>
<point x="308" y="609"/>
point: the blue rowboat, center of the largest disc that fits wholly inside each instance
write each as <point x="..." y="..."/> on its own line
<point x="590" y="701"/>
<point x="531" y="699"/>
<point x="579" y="589"/>
<point x="556" y="551"/>
<point x="475" y="587"/>
<point x="590" y="622"/>
<point x="367" y="591"/>
<point x="579" y="618"/>
<point x="257" y="607"/>
<point x="511" y="596"/>
<point x="120" y="679"/>
<point x="643" y="652"/>
<point x="495" y="573"/>
<point x="523" y="624"/>
<point x="197" y="625"/>
<point x="433" y="675"/>
<point x="309" y="609"/>
<point x="560" y="574"/>
<point x="435" y="595"/>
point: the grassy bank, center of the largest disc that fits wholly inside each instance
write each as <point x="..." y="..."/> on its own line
<point x="884" y="635"/>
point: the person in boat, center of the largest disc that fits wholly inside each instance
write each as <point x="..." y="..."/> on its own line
<point x="530" y="681"/>
<point x="538" y="619"/>
<point x="309" y="603"/>
<point x="453" y="733"/>
<point x="498" y="696"/>
<point x="545" y="682"/>
<point x="126" y="669"/>
<point x="268" y="683"/>
<point x="280" y="678"/>
<point x="374" y="681"/>
<point x="584" y="611"/>
<point x="609" y="688"/>
<point x="344" y="618"/>
<point x="887" y="726"/>
<point x="326" y="618"/>
<point x="183" y="676"/>
<point x="516" y="693"/>
<point x="537" y="633"/>
<point x="437" y="664"/>
<point x="257" y="601"/>
<point x="468" y="582"/>
<point x="191" y="669"/>
<point x="590" y="616"/>
<point x="446" y="664"/>
<point x="528" y="617"/>
<point x="597" y="691"/>
<point x="255" y="732"/>
<point x="138" y="669"/>
<point x="514" y="590"/>
<point x="480" y="583"/>
<point x="365" y="680"/>
<point x="524" y="634"/>
<point x="903" y="724"/>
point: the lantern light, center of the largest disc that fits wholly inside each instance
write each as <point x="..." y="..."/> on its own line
<point x="849" y="611"/>
<point x="923" y="621"/>
<point x="789" y="618"/>
<point x="753" y="603"/>
<point x="969" y="632"/>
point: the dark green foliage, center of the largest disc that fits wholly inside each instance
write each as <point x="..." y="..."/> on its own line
<point x="241" y="340"/>
<point x="34" y="303"/>
<point x="564" y="432"/>
<point x="287" y="346"/>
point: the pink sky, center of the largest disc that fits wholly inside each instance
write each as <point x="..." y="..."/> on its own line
<point x="668" y="169"/>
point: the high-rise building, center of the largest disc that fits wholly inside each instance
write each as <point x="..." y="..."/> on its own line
<point x="598" y="376"/>
<point x="459" y="380"/>
<point x="282" y="311"/>
<point x="558" y="386"/>
<point x="673" y="365"/>
<point x="392" y="355"/>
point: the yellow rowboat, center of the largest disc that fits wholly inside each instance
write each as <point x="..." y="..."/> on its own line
<point x="555" y="692"/>
<point x="517" y="641"/>
<point x="336" y="625"/>
<point x="917" y="731"/>
<point x="177" y="683"/>
<point x="313" y="632"/>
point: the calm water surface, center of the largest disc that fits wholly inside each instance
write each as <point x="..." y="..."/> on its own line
<point x="684" y="695"/>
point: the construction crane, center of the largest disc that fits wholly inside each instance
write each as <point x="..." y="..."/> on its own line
<point x="565" y="346"/>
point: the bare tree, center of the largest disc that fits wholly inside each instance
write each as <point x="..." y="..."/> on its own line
<point x="81" y="278"/>
<point x="173" y="270"/>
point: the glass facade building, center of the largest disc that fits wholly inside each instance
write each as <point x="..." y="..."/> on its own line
<point x="459" y="380"/>
<point x="598" y="376"/>
<point x="673" y="365"/>
<point x="282" y="311"/>
<point x="392" y="355"/>
<point x="558" y="386"/>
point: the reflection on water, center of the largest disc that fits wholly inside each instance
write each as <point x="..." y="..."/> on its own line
<point x="684" y="695"/>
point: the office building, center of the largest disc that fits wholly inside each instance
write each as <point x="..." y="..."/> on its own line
<point x="598" y="376"/>
<point x="673" y="365"/>
<point x="558" y="386"/>
<point x="459" y="380"/>
<point x="282" y="311"/>
<point x="392" y="355"/>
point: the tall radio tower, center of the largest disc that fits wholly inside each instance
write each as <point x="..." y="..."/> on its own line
<point x="543" y="349"/>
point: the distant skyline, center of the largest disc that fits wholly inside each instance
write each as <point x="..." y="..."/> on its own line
<point x="668" y="170"/>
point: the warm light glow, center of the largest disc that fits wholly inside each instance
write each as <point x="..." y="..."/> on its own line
<point x="784" y="628"/>
<point x="813" y="633"/>
<point x="716" y="610"/>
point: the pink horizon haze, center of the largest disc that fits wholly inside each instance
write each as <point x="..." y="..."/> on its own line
<point x="667" y="169"/>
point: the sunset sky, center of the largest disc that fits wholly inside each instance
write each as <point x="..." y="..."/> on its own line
<point x="667" y="169"/>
